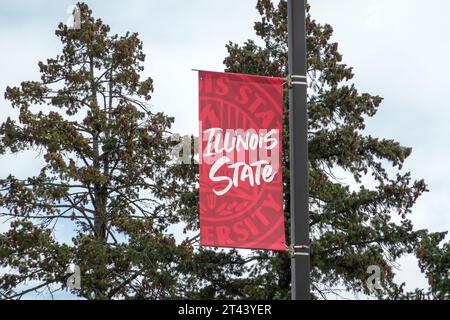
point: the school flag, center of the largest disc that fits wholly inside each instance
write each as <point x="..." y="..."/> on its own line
<point x="240" y="145"/>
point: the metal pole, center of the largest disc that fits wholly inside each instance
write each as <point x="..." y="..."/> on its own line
<point x="298" y="133"/>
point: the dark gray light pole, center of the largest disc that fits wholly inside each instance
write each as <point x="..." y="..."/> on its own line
<point x="298" y="132"/>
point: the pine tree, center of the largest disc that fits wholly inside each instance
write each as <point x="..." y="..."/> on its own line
<point x="353" y="226"/>
<point x="434" y="261"/>
<point x="107" y="174"/>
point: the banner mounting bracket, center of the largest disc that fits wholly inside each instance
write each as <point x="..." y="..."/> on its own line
<point x="298" y="250"/>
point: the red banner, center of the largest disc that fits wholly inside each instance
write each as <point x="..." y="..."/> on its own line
<point x="241" y="190"/>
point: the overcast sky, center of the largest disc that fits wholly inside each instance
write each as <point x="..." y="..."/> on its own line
<point x="398" y="50"/>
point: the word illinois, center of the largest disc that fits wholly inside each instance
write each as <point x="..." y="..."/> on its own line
<point x="238" y="156"/>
